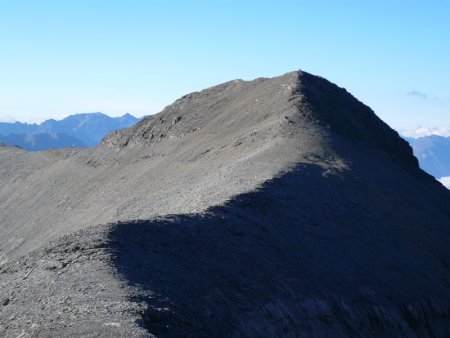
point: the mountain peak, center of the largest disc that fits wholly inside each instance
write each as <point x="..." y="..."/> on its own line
<point x="336" y="109"/>
<point x="282" y="205"/>
<point x="295" y="100"/>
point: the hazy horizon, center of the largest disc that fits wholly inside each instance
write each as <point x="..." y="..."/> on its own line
<point x="63" y="116"/>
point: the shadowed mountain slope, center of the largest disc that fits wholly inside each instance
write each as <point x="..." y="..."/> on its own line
<point x="273" y="207"/>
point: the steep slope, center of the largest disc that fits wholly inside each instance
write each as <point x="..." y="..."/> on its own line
<point x="212" y="155"/>
<point x="273" y="207"/>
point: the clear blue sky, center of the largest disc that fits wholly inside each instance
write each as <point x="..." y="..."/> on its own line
<point x="65" y="57"/>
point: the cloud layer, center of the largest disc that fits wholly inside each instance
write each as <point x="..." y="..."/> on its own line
<point x="416" y="93"/>
<point x="423" y="131"/>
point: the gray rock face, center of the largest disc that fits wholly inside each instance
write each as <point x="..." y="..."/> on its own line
<point x="275" y="207"/>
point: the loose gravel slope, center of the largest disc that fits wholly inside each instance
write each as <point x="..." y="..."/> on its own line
<point x="273" y="207"/>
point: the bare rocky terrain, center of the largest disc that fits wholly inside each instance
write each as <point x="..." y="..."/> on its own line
<point x="279" y="207"/>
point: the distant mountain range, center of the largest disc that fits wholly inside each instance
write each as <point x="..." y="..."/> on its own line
<point x="80" y="130"/>
<point x="433" y="153"/>
<point x="42" y="141"/>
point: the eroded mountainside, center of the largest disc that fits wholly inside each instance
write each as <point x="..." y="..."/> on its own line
<point x="273" y="207"/>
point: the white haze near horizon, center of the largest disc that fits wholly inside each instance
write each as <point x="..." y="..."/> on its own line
<point x="10" y="119"/>
<point x="424" y="131"/>
<point x="445" y="181"/>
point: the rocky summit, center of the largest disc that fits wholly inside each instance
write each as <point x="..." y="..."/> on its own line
<point x="279" y="207"/>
